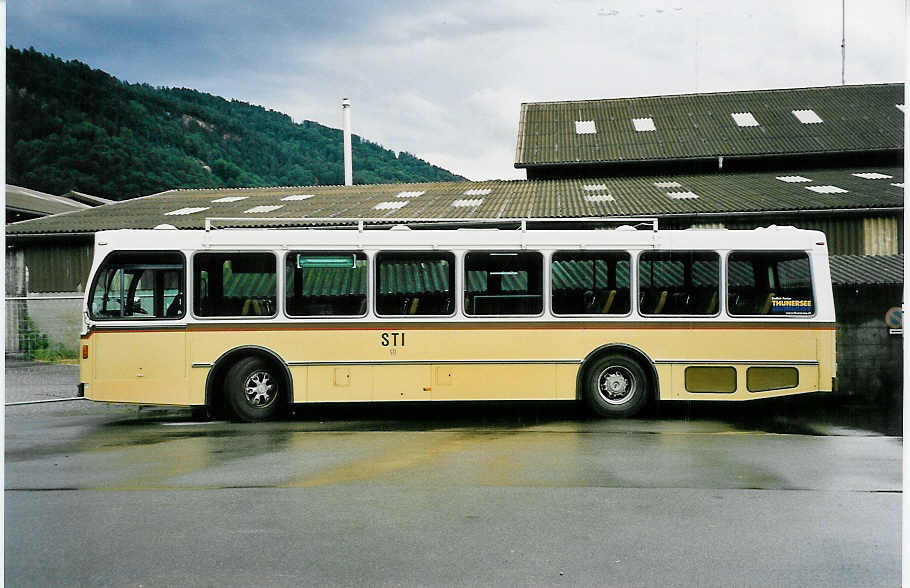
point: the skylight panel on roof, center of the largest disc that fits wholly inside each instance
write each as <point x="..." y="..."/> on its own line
<point x="807" y="117"/>
<point x="390" y="205"/>
<point x="465" y="203"/>
<point x="682" y="195"/>
<point x="873" y="176"/>
<point x="643" y="124"/>
<point x="594" y="187"/>
<point x="667" y="185"/>
<point x="744" y="119"/>
<point x="477" y="192"/>
<point x="585" y="127"/>
<point x="298" y="197"/>
<point x="793" y="179"/>
<point x="410" y="194"/>
<point x="898" y="184"/>
<point x="599" y="197"/>
<point x="187" y="210"/>
<point x="827" y="189"/>
<point x="230" y="199"/>
<point x="263" y="208"/>
<point x="901" y="107"/>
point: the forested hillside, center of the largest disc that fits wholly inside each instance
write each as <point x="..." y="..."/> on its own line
<point x="71" y="127"/>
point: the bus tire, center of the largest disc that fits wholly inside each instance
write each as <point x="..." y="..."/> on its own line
<point x="253" y="390"/>
<point x="616" y="386"/>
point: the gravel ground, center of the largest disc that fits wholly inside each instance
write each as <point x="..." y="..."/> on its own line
<point x="37" y="380"/>
<point x="34" y="380"/>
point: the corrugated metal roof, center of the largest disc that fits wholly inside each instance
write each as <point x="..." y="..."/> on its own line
<point x="332" y="281"/>
<point x="577" y="274"/>
<point x="35" y="202"/>
<point x="413" y="278"/>
<point x="87" y="198"/>
<point x="717" y="193"/>
<point x="854" y="118"/>
<point x="850" y="270"/>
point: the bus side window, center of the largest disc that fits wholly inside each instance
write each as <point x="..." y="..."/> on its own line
<point x="139" y="285"/>
<point x="595" y="282"/>
<point x="678" y="282"/>
<point x="235" y="284"/>
<point x="415" y="283"/>
<point x="503" y="282"/>
<point x="319" y="283"/>
<point x="769" y="283"/>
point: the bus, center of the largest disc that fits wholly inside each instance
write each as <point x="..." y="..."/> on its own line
<point x="615" y="314"/>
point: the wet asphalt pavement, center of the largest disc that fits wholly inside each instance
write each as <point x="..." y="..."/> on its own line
<point x="796" y="492"/>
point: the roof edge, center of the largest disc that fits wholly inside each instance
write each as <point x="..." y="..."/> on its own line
<point x="721" y="93"/>
<point x="704" y="158"/>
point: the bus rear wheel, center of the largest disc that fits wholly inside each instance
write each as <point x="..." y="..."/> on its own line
<point x="617" y="386"/>
<point x="253" y="390"/>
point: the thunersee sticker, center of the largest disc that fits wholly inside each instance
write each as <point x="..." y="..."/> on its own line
<point x="787" y="305"/>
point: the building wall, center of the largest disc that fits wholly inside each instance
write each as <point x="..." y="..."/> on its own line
<point x="881" y="236"/>
<point x="58" y="266"/>
<point x="869" y="359"/>
<point x="847" y="235"/>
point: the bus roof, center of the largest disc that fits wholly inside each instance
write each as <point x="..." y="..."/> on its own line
<point x="770" y="238"/>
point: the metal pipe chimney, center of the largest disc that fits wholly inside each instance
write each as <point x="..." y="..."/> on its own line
<point x="348" y="169"/>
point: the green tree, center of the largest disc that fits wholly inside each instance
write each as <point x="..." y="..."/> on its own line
<point x="73" y="127"/>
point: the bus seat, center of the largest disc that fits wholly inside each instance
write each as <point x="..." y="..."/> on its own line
<point x="251" y="307"/>
<point x="363" y="306"/>
<point x="659" y="307"/>
<point x="412" y="308"/>
<point x="608" y="302"/>
<point x="711" y="308"/>
<point x="766" y="306"/>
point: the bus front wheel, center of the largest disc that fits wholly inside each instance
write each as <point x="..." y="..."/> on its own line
<point x="616" y="385"/>
<point x="253" y="390"/>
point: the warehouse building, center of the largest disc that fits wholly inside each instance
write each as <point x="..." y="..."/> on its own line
<point x="810" y="138"/>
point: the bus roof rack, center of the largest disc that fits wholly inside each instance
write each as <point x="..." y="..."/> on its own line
<point x="628" y="222"/>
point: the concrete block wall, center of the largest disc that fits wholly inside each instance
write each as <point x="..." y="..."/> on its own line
<point x="869" y="358"/>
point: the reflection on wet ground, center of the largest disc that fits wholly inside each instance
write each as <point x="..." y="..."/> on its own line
<point x="818" y="414"/>
<point x="510" y="446"/>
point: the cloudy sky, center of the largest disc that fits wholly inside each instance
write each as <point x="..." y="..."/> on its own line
<point x="445" y="80"/>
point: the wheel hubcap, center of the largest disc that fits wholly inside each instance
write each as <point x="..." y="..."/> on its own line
<point x="260" y="390"/>
<point x="616" y="385"/>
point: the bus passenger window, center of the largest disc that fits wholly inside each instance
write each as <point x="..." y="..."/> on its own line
<point x="503" y="282"/>
<point x="678" y="282"/>
<point x="139" y="285"/>
<point x="415" y="283"/>
<point x="234" y="284"/>
<point x="320" y="283"/>
<point x="590" y="282"/>
<point x="769" y="283"/>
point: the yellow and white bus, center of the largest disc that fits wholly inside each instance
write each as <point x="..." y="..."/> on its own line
<point x="255" y="320"/>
